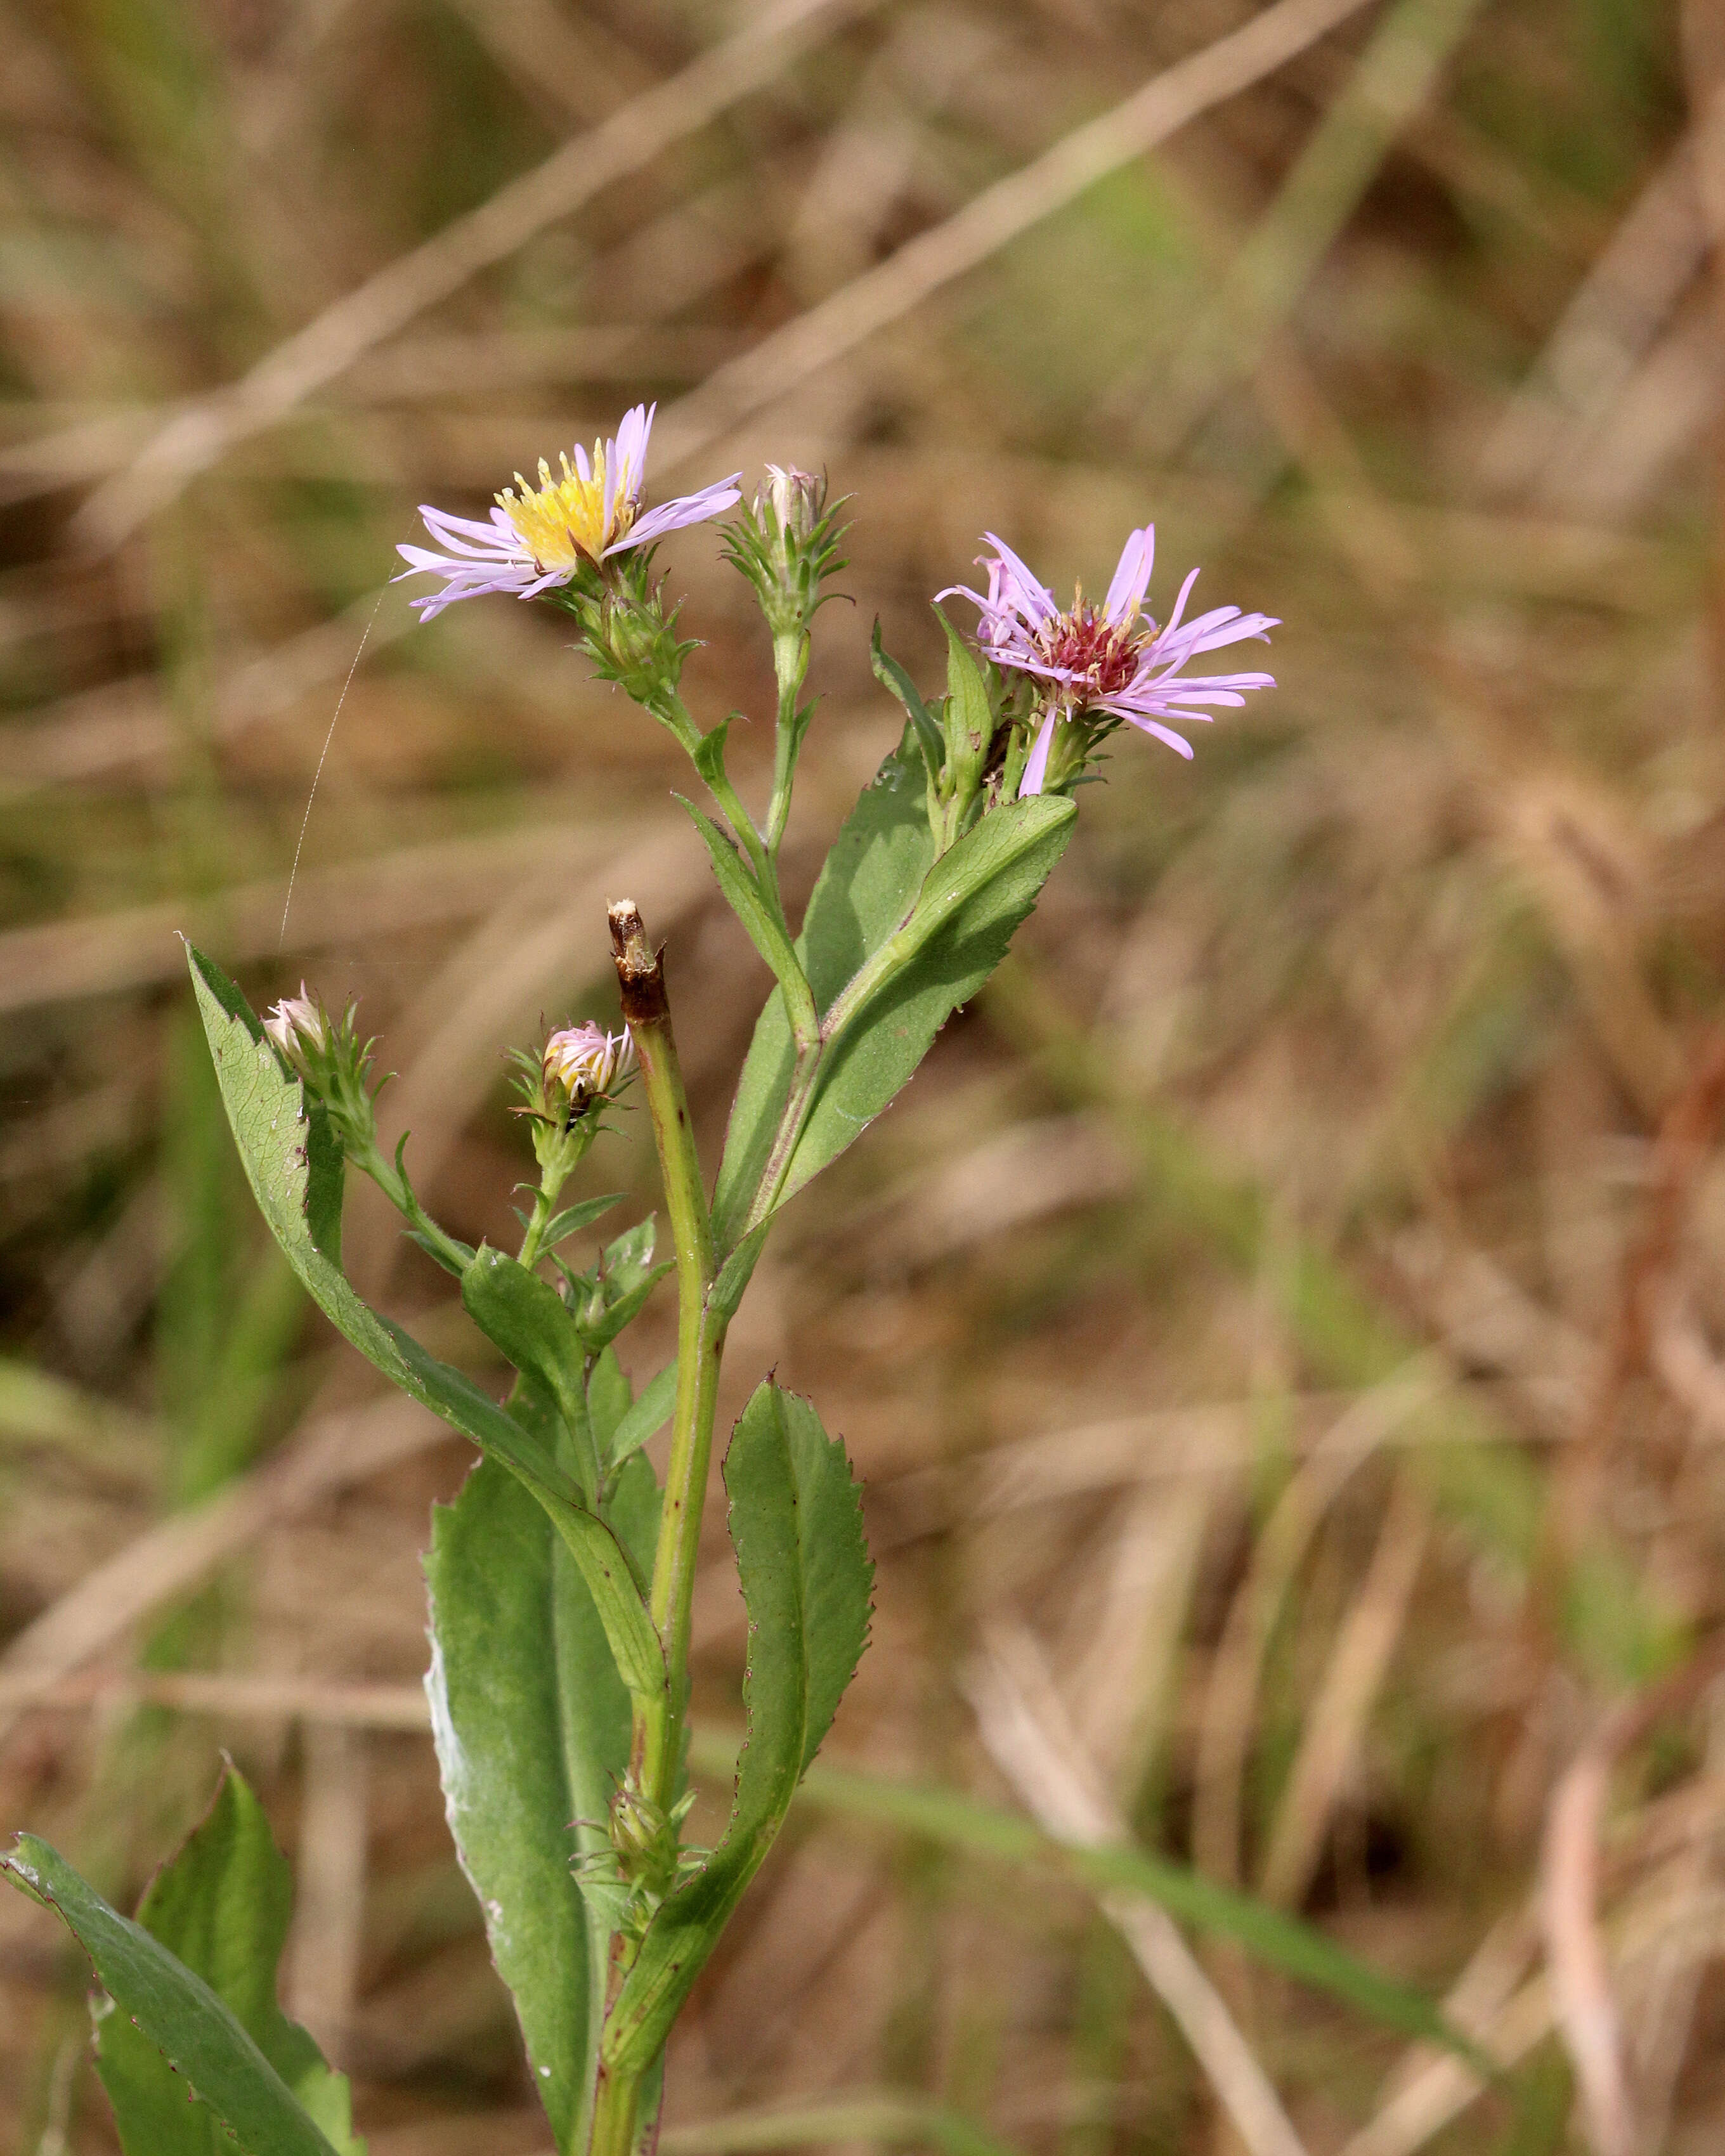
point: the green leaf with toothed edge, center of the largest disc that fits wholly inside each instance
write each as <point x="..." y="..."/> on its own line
<point x="951" y="928"/>
<point x="221" y="1907"/>
<point x="865" y="891"/>
<point x="206" y="2047"/>
<point x="967" y="692"/>
<point x="532" y="1731"/>
<point x="295" y="1168"/>
<point x="796" y="1520"/>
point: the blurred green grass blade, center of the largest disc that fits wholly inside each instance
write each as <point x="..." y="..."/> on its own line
<point x="174" y="2008"/>
<point x="964" y="1823"/>
<point x="887" y="2118"/>
<point x="37" y="1409"/>
<point x="1392" y="79"/>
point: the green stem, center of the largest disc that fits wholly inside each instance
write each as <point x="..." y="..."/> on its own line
<point x="707" y="752"/>
<point x="701" y="1343"/>
<point x="393" y="1181"/>
<point x="616" y="2106"/>
<point x="803" y="1073"/>
<point x="790" y="664"/>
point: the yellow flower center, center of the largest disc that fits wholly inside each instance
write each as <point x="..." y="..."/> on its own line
<point x="565" y="521"/>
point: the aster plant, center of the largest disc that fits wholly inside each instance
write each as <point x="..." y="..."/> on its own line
<point x="561" y="1578"/>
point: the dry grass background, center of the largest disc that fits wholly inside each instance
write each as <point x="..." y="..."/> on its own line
<point x="1280" y="1329"/>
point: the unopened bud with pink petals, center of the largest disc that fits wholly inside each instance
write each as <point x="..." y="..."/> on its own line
<point x="300" y="1027"/>
<point x="587" y="1061"/>
<point x="333" y="1064"/>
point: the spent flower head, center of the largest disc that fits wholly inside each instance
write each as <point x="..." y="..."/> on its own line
<point x="545" y="535"/>
<point x="1098" y="667"/>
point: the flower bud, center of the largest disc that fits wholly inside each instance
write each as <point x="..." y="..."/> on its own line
<point x="586" y="1061"/>
<point x="332" y="1063"/>
<point x="786" y="544"/>
<point x="299" y="1028"/>
<point x="577" y="1070"/>
<point x="797" y="499"/>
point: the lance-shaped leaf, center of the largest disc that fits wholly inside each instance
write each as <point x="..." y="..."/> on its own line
<point x="645" y="1417"/>
<point x="925" y="728"/>
<point x="957" y="933"/>
<point x="203" y="2041"/>
<point x="907" y="975"/>
<point x="223" y="1908"/>
<point x="796" y="1520"/>
<point x="532" y="1731"/>
<point x="743" y="896"/>
<point x="295" y="1167"/>
<point x="970" y="720"/>
<point x="574" y="1218"/>
<point x="864" y="891"/>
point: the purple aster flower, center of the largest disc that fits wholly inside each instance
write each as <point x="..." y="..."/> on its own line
<point x="540" y="537"/>
<point x="1112" y="659"/>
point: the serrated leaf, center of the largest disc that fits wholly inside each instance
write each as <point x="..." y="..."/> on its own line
<point x="974" y="899"/>
<point x="199" y="2036"/>
<point x="953" y="934"/>
<point x="221" y="1907"/>
<point x="288" y="1155"/>
<point x="529" y="1320"/>
<point x="864" y="891"/>
<point x="796" y="1520"/>
<point x="532" y="1732"/>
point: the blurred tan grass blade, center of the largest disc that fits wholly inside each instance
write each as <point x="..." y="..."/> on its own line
<point x="782" y="360"/>
<point x="1023" y="1724"/>
<point x="180" y="1552"/>
<point x="1586" y="2010"/>
<point x="323" y="1954"/>
<point x="1358" y="1665"/>
<point x="1393" y="78"/>
<point x="204" y="428"/>
<point x="402" y="1708"/>
<point x="547" y="939"/>
<point x="1614" y="315"/>
<point x="415" y="887"/>
<point x="869" y="2118"/>
<point x="1230" y="1712"/>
